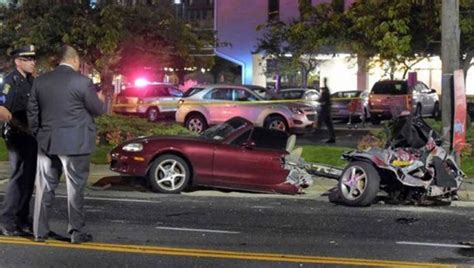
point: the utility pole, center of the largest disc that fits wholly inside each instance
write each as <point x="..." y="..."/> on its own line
<point x="450" y="38"/>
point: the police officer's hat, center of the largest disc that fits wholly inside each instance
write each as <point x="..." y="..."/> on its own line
<point x="25" y="51"/>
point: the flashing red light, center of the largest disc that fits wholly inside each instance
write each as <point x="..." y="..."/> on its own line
<point x="141" y="82"/>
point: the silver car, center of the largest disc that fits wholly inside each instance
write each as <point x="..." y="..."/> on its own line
<point x="306" y="95"/>
<point x="425" y="100"/>
<point x="149" y="100"/>
<point x="207" y="105"/>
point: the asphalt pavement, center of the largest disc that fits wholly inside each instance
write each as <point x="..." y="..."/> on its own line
<point x="211" y="231"/>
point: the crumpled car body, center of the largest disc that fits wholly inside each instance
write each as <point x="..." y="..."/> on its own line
<point x="234" y="155"/>
<point x="412" y="167"/>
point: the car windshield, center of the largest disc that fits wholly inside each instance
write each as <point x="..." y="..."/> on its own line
<point x="222" y="131"/>
<point x="192" y="91"/>
<point x="390" y="88"/>
<point x="291" y="95"/>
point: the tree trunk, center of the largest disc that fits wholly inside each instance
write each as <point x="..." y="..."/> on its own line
<point x="304" y="77"/>
<point x="392" y="70"/>
<point x="108" y="90"/>
<point x="362" y="73"/>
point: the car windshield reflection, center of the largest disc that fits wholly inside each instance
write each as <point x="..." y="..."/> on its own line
<point x="224" y="130"/>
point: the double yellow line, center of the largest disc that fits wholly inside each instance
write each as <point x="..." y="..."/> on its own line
<point x="220" y="254"/>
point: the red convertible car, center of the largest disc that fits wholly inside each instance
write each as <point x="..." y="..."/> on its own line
<point x="234" y="155"/>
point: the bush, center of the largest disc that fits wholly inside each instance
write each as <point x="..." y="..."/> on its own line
<point x="113" y="129"/>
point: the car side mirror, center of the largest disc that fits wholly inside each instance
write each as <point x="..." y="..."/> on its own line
<point x="249" y="144"/>
<point x="433" y="90"/>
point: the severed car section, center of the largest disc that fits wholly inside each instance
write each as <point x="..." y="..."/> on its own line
<point x="234" y="155"/>
<point x="412" y="168"/>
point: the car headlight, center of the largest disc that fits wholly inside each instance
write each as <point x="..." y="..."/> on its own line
<point x="296" y="110"/>
<point x="133" y="147"/>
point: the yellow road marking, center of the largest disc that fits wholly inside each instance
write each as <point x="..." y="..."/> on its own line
<point x="219" y="254"/>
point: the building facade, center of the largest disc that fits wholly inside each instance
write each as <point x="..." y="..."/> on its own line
<point x="236" y="23"/>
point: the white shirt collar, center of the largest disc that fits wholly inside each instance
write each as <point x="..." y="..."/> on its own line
<point x="69" y="65"/>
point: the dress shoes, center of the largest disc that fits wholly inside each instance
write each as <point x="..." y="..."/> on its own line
<point x="51" y="235"/>
<point x="331" y="141"/>
<point x="80" y="237"/>
<point x="10" y="231"/>
<point x="41" y="239"/>
<point x="26" y="229"/>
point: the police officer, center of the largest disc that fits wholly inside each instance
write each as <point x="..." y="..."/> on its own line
<point x="325" y="112"/>
<point x="21" y="146"/>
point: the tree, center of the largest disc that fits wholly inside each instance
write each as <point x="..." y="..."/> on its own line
<point x="466" y="24"/>
<point x="313" y="34"/>
<point x="110" y="37"/>
<point x="391" y="30"/>
<point x="274" y="44"/>
<point x="294" y="46"/>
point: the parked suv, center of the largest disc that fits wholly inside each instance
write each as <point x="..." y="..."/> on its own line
<point x="393" y="96"/>
<point x="213" y="104"/>
<point x="149" y="100"/>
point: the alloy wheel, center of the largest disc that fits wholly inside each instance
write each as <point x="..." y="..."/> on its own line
<point x="353" y="182"/>
<point x="170" y="175"/>
<point x="278" y="125"/>
<point x="195" y="125"/>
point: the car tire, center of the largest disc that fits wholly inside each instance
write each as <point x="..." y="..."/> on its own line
<point x="276" y="122"/>
<point x="196" y="123"/>
<point x="359" y="184"/>
<point x="436" y="111"/>
<point x="152" y="114"/>
<point x="169" y="174"/>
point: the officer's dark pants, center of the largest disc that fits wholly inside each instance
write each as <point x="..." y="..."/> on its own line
<point x="22" y="151"/>
<point x="325" y="117"/>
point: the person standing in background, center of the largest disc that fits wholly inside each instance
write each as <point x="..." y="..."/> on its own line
<point x="325" y="113"/>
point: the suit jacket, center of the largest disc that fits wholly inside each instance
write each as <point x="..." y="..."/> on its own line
<point x="61" y="111"/>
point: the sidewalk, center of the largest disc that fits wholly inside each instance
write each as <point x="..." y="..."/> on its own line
<point x="108" y="184"/>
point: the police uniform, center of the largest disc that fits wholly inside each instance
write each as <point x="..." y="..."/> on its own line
<point x="22" y="149"/>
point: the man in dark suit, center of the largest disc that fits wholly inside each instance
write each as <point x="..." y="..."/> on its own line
<point x="21" y="146"/>
<point x="61" y="109"/>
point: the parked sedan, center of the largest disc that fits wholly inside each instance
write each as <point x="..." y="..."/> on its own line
<point x="206" y="105"/>
<point x="234" y="155"/>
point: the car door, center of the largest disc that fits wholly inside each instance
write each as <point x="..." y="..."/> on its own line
<point x="249" y="163"/>
<point x="428" y="98"/>
<point x="169" y="100"/>
<point x="243" y="105"/>
<point x="418" y="97"/>
<point x="152" y="96"/>
<point x="219" y="105"/>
